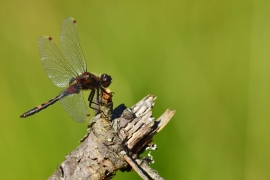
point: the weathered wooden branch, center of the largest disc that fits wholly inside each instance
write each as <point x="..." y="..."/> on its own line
<point x="114" y="141"/>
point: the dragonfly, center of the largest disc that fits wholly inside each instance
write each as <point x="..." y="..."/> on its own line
<point x="69" y="70"/>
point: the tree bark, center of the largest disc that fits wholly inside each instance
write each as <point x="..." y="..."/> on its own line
<point x="114" y="141"/>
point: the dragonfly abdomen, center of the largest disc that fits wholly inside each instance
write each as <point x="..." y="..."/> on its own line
<point x="41" y="106"/>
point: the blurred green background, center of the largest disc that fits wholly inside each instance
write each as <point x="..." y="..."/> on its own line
<point x="208" y="60"/>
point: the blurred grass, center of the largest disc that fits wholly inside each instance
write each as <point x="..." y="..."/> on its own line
<point x="208" y="60"/>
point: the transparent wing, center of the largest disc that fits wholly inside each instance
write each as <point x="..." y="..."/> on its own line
<point x="55" y="65"/>
<point x="75" y="106"/>
<point x="70" y="45"/>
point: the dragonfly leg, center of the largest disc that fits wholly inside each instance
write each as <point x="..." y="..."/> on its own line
<point x="98" y="101"/>
<point x="98" y="96"/>
<point x="90" y="99"/>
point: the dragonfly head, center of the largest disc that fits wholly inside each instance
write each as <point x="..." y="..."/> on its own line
<point x="105" y="80"/>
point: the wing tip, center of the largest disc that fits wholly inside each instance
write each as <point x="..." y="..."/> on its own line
<point x="46" y="37"/>
<point x="74" y="21"/>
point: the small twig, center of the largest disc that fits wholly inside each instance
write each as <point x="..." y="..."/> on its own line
<point x="135" y="167"/>
<point x="147" y="169"/>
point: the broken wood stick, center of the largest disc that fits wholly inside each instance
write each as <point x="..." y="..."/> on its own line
<point x="114" y="141"/>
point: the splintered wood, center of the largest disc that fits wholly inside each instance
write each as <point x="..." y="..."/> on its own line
<point x="114" y="141"/>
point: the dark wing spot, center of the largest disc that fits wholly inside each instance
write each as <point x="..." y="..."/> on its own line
<point x="74" y="21"/>
<point x="50" y="38"/>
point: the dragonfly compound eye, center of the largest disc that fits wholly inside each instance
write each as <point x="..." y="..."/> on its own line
<point x="106" y="80"/>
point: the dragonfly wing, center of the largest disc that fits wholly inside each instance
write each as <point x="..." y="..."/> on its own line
<point x="70" y="45"/>
<point x="75" y="106"/>
<point x="55" y="65"/>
